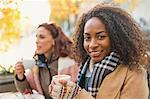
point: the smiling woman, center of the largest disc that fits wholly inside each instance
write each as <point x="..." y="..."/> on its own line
<point x="110" y="47"/>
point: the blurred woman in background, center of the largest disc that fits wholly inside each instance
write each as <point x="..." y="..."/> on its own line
<point x="51" y="44"/>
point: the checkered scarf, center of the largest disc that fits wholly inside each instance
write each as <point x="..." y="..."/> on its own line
<point x="100" y="71"/>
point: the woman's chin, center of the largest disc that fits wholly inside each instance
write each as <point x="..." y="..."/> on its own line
<point x="38" y="52"/>
<point x="95" y="60"/>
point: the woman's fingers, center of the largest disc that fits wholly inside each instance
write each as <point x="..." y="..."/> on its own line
<point x="55" y="91"/>
<point x="63" y="82"/>
<point x="62" y="89"/>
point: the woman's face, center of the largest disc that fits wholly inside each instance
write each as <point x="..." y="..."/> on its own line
<point x="96" y="39"/>
<point x="44" y="41"/>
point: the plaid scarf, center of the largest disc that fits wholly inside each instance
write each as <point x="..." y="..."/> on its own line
<point x="100" y="71"/>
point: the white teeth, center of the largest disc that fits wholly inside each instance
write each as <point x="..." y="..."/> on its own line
<point x="95" y="53"/>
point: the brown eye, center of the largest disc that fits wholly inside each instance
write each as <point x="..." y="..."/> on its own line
<point x="100" y="37"/>
<point x="87" y="38"/>
<point x="42" y="37"/>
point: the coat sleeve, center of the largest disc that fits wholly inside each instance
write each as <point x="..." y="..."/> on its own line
<point x="135" y="85"/>
<point x="83" y="94"/>
<point x="22" y="85"/>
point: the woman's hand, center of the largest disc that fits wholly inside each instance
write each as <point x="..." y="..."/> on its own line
<point x="63" y="90"/>
<point x="19" y="69"/>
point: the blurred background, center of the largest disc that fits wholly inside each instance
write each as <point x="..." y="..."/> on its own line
<point x="19" y="19"/>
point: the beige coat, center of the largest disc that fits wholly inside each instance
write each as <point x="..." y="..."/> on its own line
<point x="121" y="84"/>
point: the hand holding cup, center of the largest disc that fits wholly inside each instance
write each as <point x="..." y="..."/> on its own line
<point x="62" y="87"/>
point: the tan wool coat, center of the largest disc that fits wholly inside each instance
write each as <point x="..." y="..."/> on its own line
<point x="123" y="83"/>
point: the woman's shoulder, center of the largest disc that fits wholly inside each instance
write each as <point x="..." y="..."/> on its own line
<point x="132" y="68"/>
<point x="132" y="72"/>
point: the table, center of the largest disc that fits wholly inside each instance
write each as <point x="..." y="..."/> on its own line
<point x="18" y="95"/>
<point x="7" y="83"/>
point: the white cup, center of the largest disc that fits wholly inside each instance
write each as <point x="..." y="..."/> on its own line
<point x="59" y="87"/>
<point x="57" y="78"/>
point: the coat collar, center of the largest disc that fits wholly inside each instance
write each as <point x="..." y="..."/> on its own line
<point x="114" y="80"/>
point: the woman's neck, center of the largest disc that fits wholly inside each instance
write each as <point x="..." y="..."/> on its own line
<point x="46" y="55"/>
<point x="49" y="53"/>
<point x="91" y="66"/>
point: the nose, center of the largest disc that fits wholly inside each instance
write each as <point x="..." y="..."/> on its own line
<point x="93" y="44"/>
<point x="37" y="41"/>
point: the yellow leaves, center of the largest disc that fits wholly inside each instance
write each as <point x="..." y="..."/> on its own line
<point x="131" y="4"/>
<point x="120" y="1"/>
<point x="62" y="9"/>
<point x="10" y="29"/>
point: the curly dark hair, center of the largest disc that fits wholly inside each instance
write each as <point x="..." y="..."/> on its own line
<point x="126" y="36"/>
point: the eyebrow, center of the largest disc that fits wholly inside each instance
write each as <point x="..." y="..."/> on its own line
<point x="100" y="32"/>
<point x="96" y="33"/>
<point x="86" y="33"/>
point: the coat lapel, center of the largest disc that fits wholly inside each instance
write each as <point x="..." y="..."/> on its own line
<point x="113" y="83"/>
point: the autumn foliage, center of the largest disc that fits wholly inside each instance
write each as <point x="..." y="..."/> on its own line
<point x="9" y="24"/>
<point x="62" y="9"/>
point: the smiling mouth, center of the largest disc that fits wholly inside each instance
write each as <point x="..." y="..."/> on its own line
<point x="95" y="53"/>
